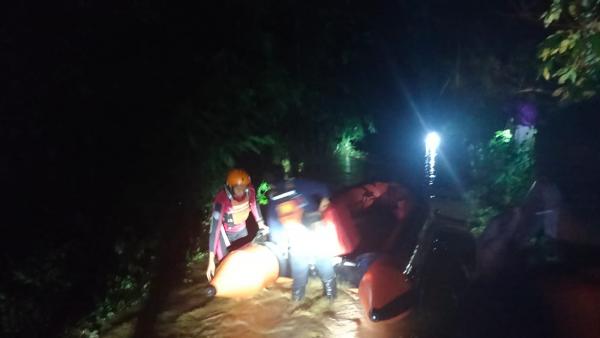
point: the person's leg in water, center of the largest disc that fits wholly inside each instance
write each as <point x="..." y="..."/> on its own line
<point x="327" y="274"/>
<point x="299" y="262"/>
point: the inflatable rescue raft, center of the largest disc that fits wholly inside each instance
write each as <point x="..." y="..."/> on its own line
<point x="385" y="293"/>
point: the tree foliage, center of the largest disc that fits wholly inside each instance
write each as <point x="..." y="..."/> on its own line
<point x="348" y="136"/>
<point x="570" y="56"/>
<point x="502" y="171"/>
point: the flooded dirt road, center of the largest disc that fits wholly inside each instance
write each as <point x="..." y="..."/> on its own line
<point x="271" y="313"/>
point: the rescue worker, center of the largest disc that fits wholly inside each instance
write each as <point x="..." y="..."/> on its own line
<point x="294" y="217"/>
<point x="231" y="208"/>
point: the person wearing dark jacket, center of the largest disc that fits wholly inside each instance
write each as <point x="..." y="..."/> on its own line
<point x="295" y="222"/>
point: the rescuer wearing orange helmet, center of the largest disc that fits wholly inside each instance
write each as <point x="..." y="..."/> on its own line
<point x="231" y="208"/>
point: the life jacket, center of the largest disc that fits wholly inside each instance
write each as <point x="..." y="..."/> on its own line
<point x="237" y="211"/>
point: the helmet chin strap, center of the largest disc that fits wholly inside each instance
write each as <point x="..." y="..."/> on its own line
<point x="229" y="192"/>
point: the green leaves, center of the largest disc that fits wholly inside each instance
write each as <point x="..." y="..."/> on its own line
<point x="594" y="41"/>
<point x="352" y="132"/>
<point x="570" y="74"/>
<point x="552" y="14"/>
<point x="502" y="171"/>
<point x="571" y="56"/>
<point x="261" y="193"/>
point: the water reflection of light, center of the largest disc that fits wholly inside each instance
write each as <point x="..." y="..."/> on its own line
<point x="349" y="170"/>
<point x="347" y="165"/>
<point x="432" y="142"/>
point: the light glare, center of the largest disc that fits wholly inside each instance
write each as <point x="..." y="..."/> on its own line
<point x="432" y="142"/>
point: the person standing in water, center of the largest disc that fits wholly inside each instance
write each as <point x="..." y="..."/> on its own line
<point x="295" y="210"/>
<point x="231" y="208"/>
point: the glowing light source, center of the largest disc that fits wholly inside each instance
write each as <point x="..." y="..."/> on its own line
<point x="432" y="142"/>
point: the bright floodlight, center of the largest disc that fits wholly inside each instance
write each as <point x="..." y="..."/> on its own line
<point x="432" y="141"/>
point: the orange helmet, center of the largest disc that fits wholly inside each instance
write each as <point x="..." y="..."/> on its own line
<point x="237" y="177"/>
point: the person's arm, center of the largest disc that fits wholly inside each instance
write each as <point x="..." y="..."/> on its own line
<point x="215" y="221"/>
<point x="255" y="208"/>
<point x="323" y="204"/>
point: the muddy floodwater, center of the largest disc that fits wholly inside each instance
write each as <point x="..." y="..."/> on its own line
<point x="271" y="313"/>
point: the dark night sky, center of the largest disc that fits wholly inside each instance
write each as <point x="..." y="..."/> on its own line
<point x="90" y="87"/>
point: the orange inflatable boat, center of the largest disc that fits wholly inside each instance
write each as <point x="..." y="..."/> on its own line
<point x="255" y="266"/>
<point x="245" y="271"/>
<point x="574" y="302"/>
<point x="374" y="213"/>
<point x="249" y="269"/>
<point x="387" y="298"/>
